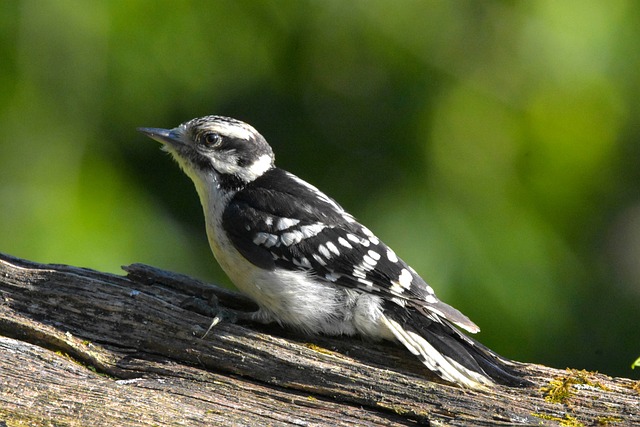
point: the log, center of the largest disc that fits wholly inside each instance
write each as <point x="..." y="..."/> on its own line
<point x="82" y="347"/>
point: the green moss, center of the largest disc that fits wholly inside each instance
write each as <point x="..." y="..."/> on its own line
<point x="396" y="409"/>
<point x="567" y="420"/>
<point x="319" y="349"/>
<point x="80" y="362"/>
<point x="605" y="421"/>
<point x="560" y="389"/>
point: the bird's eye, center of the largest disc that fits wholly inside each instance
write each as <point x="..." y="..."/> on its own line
<point x="210" y="139"/>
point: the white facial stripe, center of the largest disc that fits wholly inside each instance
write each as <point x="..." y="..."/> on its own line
<point x="234" y="130"/>
<point x="227" y="163"/>
<point x="257" y="168"/>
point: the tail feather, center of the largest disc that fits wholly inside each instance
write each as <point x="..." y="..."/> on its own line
<point x="455" y="357"/>
<point x="447" y="368"/>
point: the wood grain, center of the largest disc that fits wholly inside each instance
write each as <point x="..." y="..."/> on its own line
<point x="81" y="347"/>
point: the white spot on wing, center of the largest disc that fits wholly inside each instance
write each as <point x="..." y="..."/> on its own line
<point x="260" y="238"/>
<point x="311" y="229"/>
<point x="431" y="299"/>
<point x="333" y="248"/>
<point x="319" y="259"/>
<point x="365" y="266"/>
<point x="367" y="232"/>
<point x="372" y="238"/>
<point x="396" y="288"/>
<point x="400" y="301"/>
<point x="332" y="277"/>
<point x="366" y="282"/>
<point x="344" y="243"/>
<point x="391" y="256"/>
<point x="373" y="254"/>
<point x="359" y="273"/>
<point x="291" y="237"/>
<point x="405" y="278"/>
<point x="302" y="262"/>
<point x="272" y="240"/>
<point x="284" y="223"/>
<point x="348" y="217"/>
<point x="324" y="251"/>
<point x="353" y="238"/>
<point x="370" y="261"/>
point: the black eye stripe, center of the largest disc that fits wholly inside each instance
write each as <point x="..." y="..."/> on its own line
<point x="221" y="142"/>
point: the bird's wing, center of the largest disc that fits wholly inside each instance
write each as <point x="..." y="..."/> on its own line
<point x="280" y="221"/>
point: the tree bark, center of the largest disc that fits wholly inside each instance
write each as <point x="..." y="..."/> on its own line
<point x="81" y="347"/>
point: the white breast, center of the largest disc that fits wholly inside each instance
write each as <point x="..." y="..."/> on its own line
<point x="292" y="298"/>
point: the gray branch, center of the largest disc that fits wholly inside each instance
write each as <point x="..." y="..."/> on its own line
<point x="81" y="347"/>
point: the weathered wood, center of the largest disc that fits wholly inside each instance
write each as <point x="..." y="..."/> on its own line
<point x="80" y="347"/>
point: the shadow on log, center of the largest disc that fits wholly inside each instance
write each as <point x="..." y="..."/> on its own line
<point x="80" y="347"/>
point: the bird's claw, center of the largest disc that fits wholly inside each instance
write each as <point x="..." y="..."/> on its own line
<point x="210" y="308"/>
<point x="222" y="315"/>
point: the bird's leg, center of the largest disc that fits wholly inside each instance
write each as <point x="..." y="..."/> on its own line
<point x="212" y="308"/>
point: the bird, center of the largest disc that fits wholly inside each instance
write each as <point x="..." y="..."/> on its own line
<point x="311" y="266"/>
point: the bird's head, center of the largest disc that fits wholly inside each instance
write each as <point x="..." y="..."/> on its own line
<point x="230" y="151"/>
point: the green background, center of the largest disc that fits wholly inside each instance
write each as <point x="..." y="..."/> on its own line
<point x="494" y="145"/>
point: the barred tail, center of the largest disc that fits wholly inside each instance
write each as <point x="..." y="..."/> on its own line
<point x="454" y="357"/>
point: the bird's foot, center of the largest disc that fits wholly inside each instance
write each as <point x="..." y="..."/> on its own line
<point x="212" y="308"/>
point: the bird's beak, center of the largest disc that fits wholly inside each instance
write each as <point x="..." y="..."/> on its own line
<point x="165" y="136"/>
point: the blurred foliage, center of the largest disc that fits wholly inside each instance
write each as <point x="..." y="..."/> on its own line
<point x="494" y="145"/>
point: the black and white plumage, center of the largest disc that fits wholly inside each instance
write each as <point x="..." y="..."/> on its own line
<point x="310" y="265"/>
